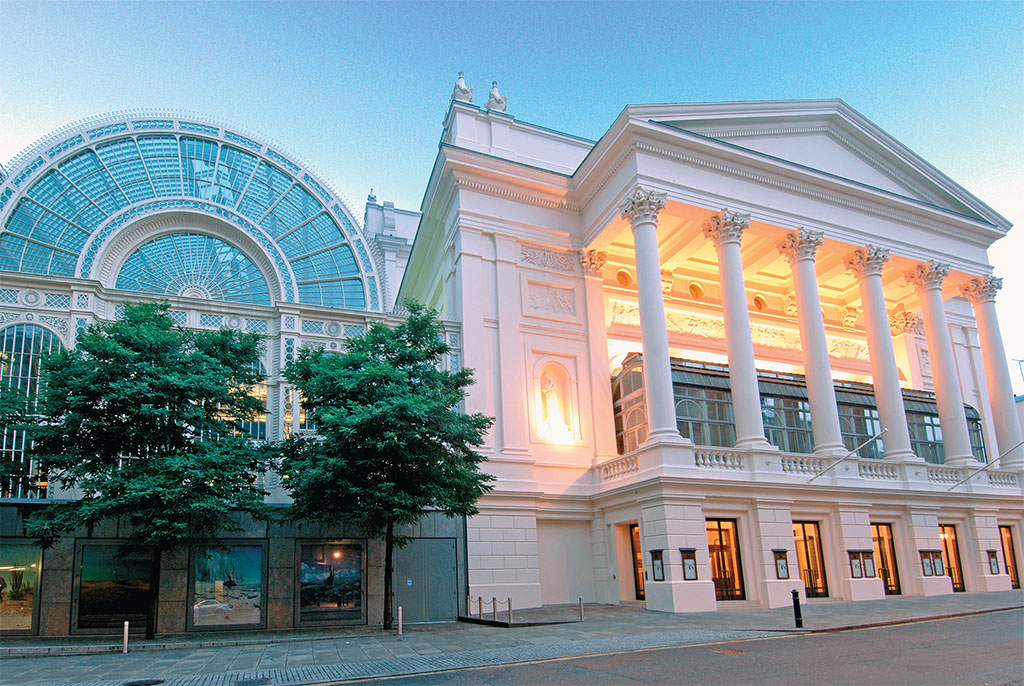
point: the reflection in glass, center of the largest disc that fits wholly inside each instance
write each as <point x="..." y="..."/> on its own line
<point x="951" y="556"/>
<point x="331" y="582"/>
<point x="228" y="586"/>
<point x="1006" y="537"/>
<point x="726" y="569"/>
<point x="810" y="559"/>
<point x="113" y="586"/>
<point x="885" y="552"/>
<point x="19" y="581"/>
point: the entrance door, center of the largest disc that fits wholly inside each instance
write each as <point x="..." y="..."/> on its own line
<point x="810" y="558"/>
<point x="951" y="556"/>
<point x="726" y="570"/>
<point x="1006" y="536"/>
<point x="885" y="553"/>
<point x="425" y="580"/>
<point x="638" y="560"/>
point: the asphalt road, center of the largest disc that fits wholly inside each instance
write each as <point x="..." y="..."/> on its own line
<point x="982" y="649"/>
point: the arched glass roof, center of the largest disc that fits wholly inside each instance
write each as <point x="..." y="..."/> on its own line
<point x="64" y="199"/>
<point x="194" y="265"/>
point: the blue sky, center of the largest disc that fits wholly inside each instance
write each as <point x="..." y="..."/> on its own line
<point x="358" y="90"/>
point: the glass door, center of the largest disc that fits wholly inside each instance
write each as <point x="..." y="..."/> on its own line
<point x="810" y="558"/>
<point x="951" y="556"/>
<point x="726" y="570"/>
<point x="1006" y="536"/>
<point x="638" y="560"/>
<point x="885" y="554"/>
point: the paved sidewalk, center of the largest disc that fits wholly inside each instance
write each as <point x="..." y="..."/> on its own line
<point x="284" y="658"/>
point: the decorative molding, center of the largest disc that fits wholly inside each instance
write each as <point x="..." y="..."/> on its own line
<point x="58" y="323"/>
<point x="642" y="206"/>
<point x="593" y="262"/>
<point x="800" y="245"/>
<point x="9" y="317"/>
<point x="461" y="92"/>
<point x="792" y="310"/>
<point x="726" y="227"/>
<point x="495" y="101"/>
<point x="710" y="328"/>
<point x="667" y="280"/>
<point x="551" y="299"/>
<point x="867" y="261"/>
<point x="516" y="195"/>
<point x="927" y="276"/>
<point x="981" y="289"/>
<point x="849" y="316"/>
<point x="904" y="322"/>
<point x="549" y="259"/>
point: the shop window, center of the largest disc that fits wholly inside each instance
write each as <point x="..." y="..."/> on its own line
<point x="19" y="586"/>
<point x="331" y="582"/>
<point x="228" y="586"/>
<point x="112" y="586"/>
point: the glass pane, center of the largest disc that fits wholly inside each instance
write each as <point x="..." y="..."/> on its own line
<point x="113" y="586"/>
<point x="331" y="582"/>
<point x="227" y="586"/>
<point x="19" y="580"/>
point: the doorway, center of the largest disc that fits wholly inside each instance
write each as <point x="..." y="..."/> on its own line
<point x="885" y="552"/>
<point x="810" y="558"/>
<point x="1009" y="555"/>
<point x="726" y="569"/>
<point x="638" y="560"/>
<point x="951" y="556"/>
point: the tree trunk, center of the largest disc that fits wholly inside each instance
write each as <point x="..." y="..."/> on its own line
<point x="154" y="595"/>
<point x="389" y="549"/>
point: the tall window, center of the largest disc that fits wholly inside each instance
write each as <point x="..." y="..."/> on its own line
<point x="704" y="415"/>
<point x="22" y="349"/>
<point x="787" y="423"/>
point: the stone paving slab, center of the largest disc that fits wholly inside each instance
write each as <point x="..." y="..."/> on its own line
<point x="285" y="658"/>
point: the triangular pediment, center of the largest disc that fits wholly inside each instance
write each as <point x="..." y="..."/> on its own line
<point x="824" y="136"/>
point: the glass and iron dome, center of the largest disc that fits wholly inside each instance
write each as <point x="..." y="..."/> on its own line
<point x="66" y="197"/>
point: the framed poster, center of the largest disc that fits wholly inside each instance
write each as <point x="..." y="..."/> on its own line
<point x="869" y="566"/>
<point x="855" y="568"/>
<point x="993" y="562"/>
<point x="657" y="565"/>
<point x="781" y="564"/>
<point x="689" y="563"/>
<point x="926" y="564"/>
<point x="937" y="565"/>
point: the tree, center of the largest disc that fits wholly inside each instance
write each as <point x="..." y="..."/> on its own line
<point x="140" y="417"/>
<point x="391" y="441"/>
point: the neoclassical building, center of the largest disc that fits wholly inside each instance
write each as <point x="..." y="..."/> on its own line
<point x="732" y="350"/>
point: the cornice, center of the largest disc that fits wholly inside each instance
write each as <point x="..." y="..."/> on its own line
<point x="519" y="196"/>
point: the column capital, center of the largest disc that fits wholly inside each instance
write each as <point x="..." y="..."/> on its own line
<point x="726" y="227"/>
<point x="905" y="322"/>
<point x="867" y="260"/>
<point x="642" y="205"/>
<point x="800" y="245"/>
<point x="593" y="261"/>
<point x="981" y="289"/>
<point x="926" y="276"/>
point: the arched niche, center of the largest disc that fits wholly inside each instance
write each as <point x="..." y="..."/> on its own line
<point x="556" y="402"/>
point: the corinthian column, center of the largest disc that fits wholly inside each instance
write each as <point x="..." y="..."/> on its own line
<point x="982" y="294"/>
<point x="641" y="209"/>
<point x="866" y="263"/>
<point x="927" y="279"/>
<point x="726" y="230"/>
<point x="800" y="248"/>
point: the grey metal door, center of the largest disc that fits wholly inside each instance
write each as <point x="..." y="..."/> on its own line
<point x="425" y="580"/>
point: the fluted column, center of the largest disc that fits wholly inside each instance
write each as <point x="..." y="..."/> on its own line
<point x="866" y="263"/>
<point x="641" y="209"/>
<point x="726" y="230"/>
<point x="982" y="294"/>
<point x="927" y="279"/>
<point x="800" y="248"/>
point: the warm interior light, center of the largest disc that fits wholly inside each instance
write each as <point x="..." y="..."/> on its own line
<point x="553" y="421"/>
<point x="336" y="554"/>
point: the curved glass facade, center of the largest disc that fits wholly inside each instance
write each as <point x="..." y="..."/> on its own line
<point x="53" y="219"/>
<point x="194" y="265"/>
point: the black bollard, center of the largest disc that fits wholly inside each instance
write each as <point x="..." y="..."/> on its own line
<point x="797" y="616"/>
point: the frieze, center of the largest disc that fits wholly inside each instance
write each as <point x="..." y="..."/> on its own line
<point x="701" y="326"/>
<point x="550" y="299"/>
<point x="549" y="259"/>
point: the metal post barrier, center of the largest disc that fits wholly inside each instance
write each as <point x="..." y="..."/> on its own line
<point x="581" y="608"/>
<point x="494" y="609"/>
<point x="124" y="639"/>
<point x="399" y="620"/>
<point x="480" y="606"/>
<point x="469" y="606"/>
<point x="510" y="610"/>
<point x="797" y="616"/>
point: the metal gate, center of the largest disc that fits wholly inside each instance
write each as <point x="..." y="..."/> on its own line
<point x="425" y="580"/>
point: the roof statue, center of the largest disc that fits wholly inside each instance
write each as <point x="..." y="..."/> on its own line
<point x="462" y="92"/>
<point x="496" y="101"/>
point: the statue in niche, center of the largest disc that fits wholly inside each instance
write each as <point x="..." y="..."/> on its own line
<point x="553" y="421"/>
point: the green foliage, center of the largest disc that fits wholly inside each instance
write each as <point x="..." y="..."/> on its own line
<point x="140" y="417"/>
<point x="390" y="441"/>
